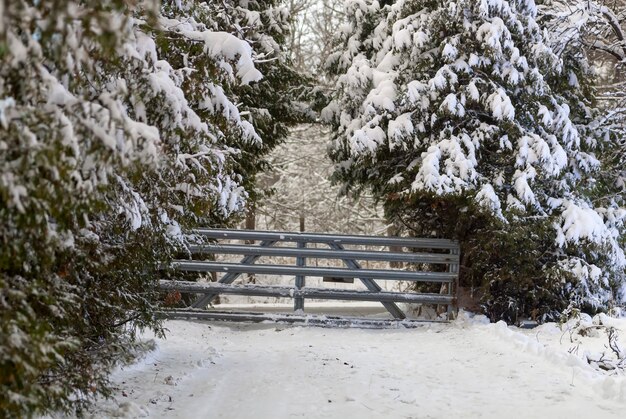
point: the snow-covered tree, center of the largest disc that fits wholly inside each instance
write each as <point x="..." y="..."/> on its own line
<point x="313" y="33"/>
<point x="464" y="120"/>
<point x="279" y="98"/>
<point x="303" y="192"/>
<point x="598" y="29"/>
<point x="121" y="122"/>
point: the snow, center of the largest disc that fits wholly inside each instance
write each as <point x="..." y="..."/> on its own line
<point x="467" y="368"/>
<point x="383" y="94"/>
<point x="458" y="157"/>
<point x="522" y="187"/>
<point x="5" y="104"/>
<point x="444" y="76"/>
<point x="451" y="105"/>
<point x="414" y="90"/>
<point x="367" y="138"/>
<point x="450" y="52"/>
<point x="472" y="90"/>
<point x="17" y="192"/>
<point x="580" y="222"/>
<point x="402" y="38"/>
<point x="398" y="127"/>
<point x="487" y="198"/>
<point x="492" y="32"/>
<point x="501" y="107"/>
<point x="223" y="44"/>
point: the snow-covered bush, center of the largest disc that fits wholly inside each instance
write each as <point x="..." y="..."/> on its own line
<point x="466" y="123"/>
<point x="119" y="126"/>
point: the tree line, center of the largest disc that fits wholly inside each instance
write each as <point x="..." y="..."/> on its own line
<point x="497" y="123"/>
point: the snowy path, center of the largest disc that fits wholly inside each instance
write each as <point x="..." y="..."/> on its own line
<point x="461" y="369"/>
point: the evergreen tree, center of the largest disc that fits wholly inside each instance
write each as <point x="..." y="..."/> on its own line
<point x="279" y="98"/>
<point x="466" y="123"/>
<point x="594" y="28"/>
<point x="120" y="124"/>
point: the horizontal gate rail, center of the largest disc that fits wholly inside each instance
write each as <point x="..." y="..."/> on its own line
<point x="414" y="276"/>
<point x="231" y="277"/>
<point x="286" y="318"/>
<point x="414" y="243"/>
<point x="438" y="254"/>
<point x="321" y="293"/>
<point x="235" y="249"/>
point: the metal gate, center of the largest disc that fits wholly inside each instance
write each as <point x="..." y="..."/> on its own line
<point x="426" y="260"/>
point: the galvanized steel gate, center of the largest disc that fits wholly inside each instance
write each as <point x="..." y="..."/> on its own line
<point x="422" y="253"/>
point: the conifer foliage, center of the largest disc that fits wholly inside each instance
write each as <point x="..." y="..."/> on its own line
<point x="467" y="124"/>
<point x="120" y="124"/>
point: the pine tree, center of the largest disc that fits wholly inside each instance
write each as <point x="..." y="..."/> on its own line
<point x="465" y="122"/>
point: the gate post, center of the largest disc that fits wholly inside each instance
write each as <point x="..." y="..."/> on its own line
<point x="454" y="268"/>
<point x="298" y="302"/>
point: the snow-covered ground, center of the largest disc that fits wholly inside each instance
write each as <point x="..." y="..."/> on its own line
<point x="467" y="368"/>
